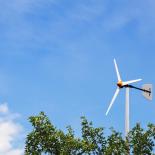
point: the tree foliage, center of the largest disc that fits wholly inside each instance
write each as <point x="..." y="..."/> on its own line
<point x="46" y="138"/>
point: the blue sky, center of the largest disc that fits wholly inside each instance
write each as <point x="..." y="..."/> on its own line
<point x="57" y="57"/>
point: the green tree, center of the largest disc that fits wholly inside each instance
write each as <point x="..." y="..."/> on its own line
<point x="116" y="144"/>
<point x="93" y="140"/>
<point x="46" y="138"/>
<point x="141" y="141"/>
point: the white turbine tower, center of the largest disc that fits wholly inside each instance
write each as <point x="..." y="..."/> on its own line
<point x="147" y="92"/>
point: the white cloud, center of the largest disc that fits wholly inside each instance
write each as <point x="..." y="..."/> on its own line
<point x="4" y="108"/>
<point x="14" y="152"/>
<point x="10" y="131"/>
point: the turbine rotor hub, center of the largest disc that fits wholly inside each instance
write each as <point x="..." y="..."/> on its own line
<point x="120" y="84"/>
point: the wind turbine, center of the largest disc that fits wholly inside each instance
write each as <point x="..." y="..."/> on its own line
<point x="146" y="89"/>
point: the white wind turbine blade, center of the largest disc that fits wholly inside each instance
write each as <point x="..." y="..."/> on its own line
<point x="117" y="72"/>
<point x="131" y="81"/>
<point x="113" y="99"/>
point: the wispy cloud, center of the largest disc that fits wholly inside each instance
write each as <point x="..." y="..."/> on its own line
<point x="22" y="19"/>
<point x="10" y="131"/>
<point x="139" y="14"/>
<point x="87" y="11"/>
